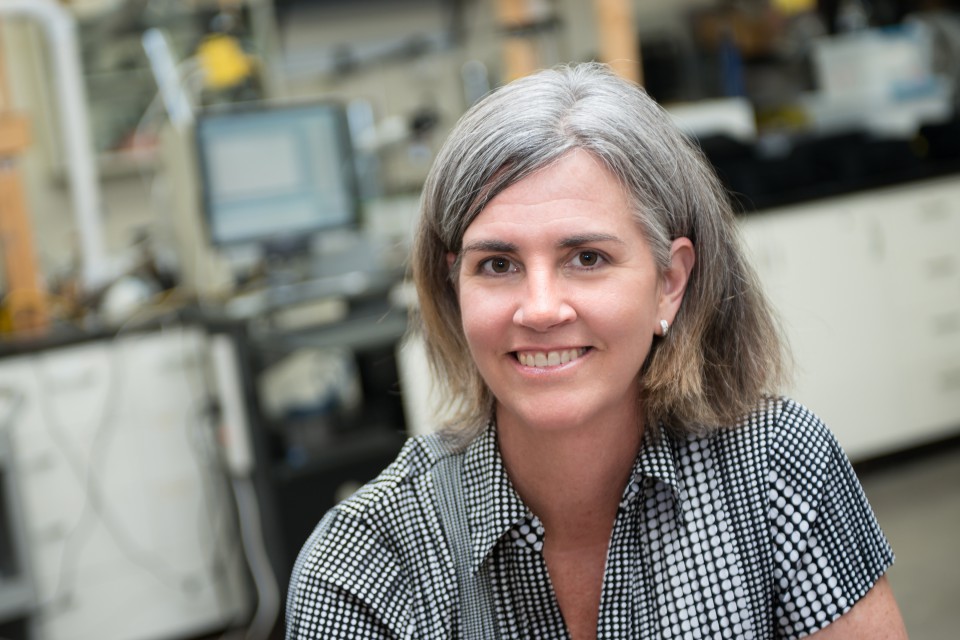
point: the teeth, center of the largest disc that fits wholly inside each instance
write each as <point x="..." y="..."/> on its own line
<point x="549" y="358"/>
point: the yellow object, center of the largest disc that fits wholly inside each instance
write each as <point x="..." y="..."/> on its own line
<point x="24" y="311"/>
<point x="790" y="7"/>
<point x="224" y="62"/>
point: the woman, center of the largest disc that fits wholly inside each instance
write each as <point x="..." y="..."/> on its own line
<point x="616" y="468"/>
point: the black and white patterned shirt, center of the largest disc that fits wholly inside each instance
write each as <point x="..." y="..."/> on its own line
<point x="761" y="531"/>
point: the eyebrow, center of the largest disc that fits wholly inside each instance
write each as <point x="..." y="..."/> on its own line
<point x="490" y="246"/>
<point x="587" y="238"/>
<point x="499" y="246"/>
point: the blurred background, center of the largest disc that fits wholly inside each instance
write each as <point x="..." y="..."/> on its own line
<point x="206" y="210"/>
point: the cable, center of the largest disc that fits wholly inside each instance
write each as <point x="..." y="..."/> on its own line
<point x="261" y="570"/>
<point x="249" y="520"/>
<point x="207" y="453"/>
<point x="268" y="601"/>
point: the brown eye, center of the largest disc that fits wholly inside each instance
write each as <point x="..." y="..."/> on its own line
<point x="588" y="258"/>
<point x="498" y="265"/>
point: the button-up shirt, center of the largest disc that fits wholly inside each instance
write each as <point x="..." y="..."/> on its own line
<point x="756" y="531"/>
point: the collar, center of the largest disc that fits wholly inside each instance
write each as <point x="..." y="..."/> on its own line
<point x="657" y="462"/>
<point x="494" y="508"/>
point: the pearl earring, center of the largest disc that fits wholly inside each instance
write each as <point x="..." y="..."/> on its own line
<point x="664" y="326"/>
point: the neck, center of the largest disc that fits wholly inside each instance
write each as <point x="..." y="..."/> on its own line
<point x="571" y="478"/>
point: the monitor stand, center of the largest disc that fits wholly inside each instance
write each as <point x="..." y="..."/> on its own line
<point x="287" y="259"/>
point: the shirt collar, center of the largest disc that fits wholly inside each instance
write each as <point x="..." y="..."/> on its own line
<point x="657" y="462"/>
<point x="494" y="508"/>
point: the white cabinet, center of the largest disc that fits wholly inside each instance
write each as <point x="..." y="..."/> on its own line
<point x="868" y="290"/>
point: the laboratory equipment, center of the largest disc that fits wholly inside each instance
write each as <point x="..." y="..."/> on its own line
<point x="272" y="175"/>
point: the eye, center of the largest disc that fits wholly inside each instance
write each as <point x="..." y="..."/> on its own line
<point x="587" y="259"/>
<point x="498" y="265"/>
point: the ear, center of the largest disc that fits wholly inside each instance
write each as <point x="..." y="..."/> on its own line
<point x="675" y="278"/>
<point x="451" y="269"/>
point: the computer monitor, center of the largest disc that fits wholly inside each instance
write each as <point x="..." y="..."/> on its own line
<point x="274" y="175"/>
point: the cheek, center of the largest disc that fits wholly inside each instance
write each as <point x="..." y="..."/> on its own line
<point x="624" y="325"/>
<point x="625" y="319"/>
<point x="484" y="316"/>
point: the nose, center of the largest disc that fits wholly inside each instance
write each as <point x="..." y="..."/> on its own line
<point x="544" y="303"/>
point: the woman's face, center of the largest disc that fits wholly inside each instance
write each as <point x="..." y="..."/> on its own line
<point x="560" y="297"/>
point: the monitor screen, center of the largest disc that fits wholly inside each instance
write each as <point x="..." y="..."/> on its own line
<point x="272" y="173"/>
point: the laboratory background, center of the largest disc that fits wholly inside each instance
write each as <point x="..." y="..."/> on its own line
<point x="206" y="210"/>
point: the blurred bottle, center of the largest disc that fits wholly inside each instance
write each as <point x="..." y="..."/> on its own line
<point x="852" y="15"/>
<point x="731" y="66"/>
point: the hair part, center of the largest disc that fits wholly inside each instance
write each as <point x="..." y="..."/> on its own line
<point x="724" y="351"/>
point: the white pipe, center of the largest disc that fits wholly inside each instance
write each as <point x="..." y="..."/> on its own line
<point x="61" y="32"/>
<point x="164" y="68"/>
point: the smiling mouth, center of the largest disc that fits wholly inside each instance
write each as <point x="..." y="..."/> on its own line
<point x="549" y="358"/>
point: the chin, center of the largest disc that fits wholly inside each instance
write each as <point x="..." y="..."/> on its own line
<point x="557" y="418"/>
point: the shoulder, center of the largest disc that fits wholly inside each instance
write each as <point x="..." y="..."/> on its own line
<point x="780" y="429"/>
<point x="781" y="442"/>
<point x="396" y="505"/>
<point x="371" y="548"/>
<point x="801" y="447"/>
<point x="782" y="416"/>
<point x="792" y="458"/>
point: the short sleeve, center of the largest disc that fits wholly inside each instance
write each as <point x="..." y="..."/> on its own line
<point x="345" y="585"/>
<point x="828" y="550"/>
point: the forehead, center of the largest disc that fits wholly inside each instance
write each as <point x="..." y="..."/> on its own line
<point x="576" y="190"/>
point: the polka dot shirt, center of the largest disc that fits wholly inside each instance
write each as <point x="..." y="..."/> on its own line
<point x="761" y="531"/>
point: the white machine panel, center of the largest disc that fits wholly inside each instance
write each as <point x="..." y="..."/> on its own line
<point x="130" y="522"/>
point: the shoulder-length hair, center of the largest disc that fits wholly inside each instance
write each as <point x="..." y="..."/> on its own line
<point x="723" y="352"/>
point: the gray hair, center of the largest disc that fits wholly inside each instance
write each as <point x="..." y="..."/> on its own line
<point x="724" y="351"/>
